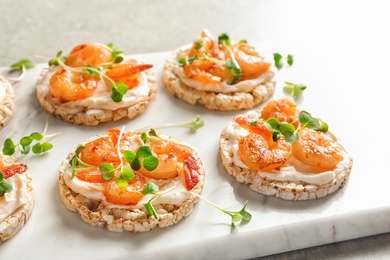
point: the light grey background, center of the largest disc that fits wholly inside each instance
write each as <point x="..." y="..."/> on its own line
<point x="344" y="35"/>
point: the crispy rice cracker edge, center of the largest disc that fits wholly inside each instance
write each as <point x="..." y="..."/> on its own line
<point x="213" y="100"/>
<point x="96" y="213"/>
<point x="286" y="190"/>
<point x="7" y="107"/>
<point x="83" y="115"/>
<point x="10" y="226"/>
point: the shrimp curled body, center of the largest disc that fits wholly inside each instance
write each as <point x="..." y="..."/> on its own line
<point x="316" y="149"/>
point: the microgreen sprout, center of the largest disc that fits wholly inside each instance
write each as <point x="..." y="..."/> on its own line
<point x="194" y="125"/>
<point x="143" y="157"/>
<point x="152" y="188"/>
<point x="288" y="130"/>
<point x="5" y="186"/>
<point x="21" y="66"/>
<point x="116" y="53"/>
<point x="279" y="60"/>
<point x="294" y="90"/>
<point x="25" y="144"/>
<point x="237" y="216"/>
<point x="119" y="89"/>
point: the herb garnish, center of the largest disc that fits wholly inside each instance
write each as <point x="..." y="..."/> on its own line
<point x="294" y="90"/>
<point x="21" y="66"/>
<point x="149" y="162"/>
<point x="236" y="216"/>
<point x="152" y="188"/>
<point x="278" y="60"/>
<point x="289" y="132"/>
<point x="5" y="186"/>
<point x="24" y="145"/>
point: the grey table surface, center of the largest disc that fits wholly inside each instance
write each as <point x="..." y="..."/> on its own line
<point x="29" y="28"/>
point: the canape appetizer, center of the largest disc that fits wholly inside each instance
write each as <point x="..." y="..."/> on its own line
<point x="219" y="74"/>
<point x="284" y="152"/>
<point x="94" y="84"/>
<point x="128" y="181"/>
<point x="16" y="196"/>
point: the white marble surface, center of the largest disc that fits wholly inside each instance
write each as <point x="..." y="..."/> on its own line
<point x="341" y="54"/>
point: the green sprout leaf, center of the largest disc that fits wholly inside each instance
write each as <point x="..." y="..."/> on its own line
<point x="198" y="45"/>
<point x="39" y="148"/>
<point x="150" y="188"/>
<point x="191" y="59"/>
<point x="125" y="177"/>
<point x="236" y="216"/>
<point x="279" y="60"/>
<point x="22" y="64"/>
<point x="108" y="171"/>
<point x="58" y="60"/>
<point x="5" y="186"/>
<point x="118" y="91"/>
<point x="182" y="62"/>
<point x="290" y="59"/>
<point x="234" y="69"/>
<point x="24" y="144"/>
<point x="9" y="147"/>
<point x="308" y="121"/>
<point x="224" y="39"/>
<point x="294" y="90"/>
<point x="150" y="162"/>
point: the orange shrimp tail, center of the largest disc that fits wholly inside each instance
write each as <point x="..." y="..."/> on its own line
<point x="93" y="176"/>
<point x="11" y="170"/>
<point x="190" y="173"/>
<point x="257" y="129"/>
<point x="127" y="73"/>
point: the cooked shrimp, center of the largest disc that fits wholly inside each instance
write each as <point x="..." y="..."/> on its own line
<point x="207" y="72"/>
<point x="210" y="67"/>
<point x="91" y="54"/>
<point x="11" y="170"/>
<point x="258" y="128"/>
<point x="129" y="195"/>
<point x="257" y="150"/>
<point x="251" y="63"/>
<point x="174" y="159"/>
<point x="316" y="149"/>
<point x="285" y="110"/>
<point x="259" y="153"/>
<point x="209" y="46"/>
<point x="127" y="73"/>
<point x="102" y="150"/>
<point x="71" y="85"/>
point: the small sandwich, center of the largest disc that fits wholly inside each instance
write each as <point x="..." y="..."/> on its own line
<point x="219" y="74"/>
<point x="94" y="84"/>
<point x="7" y="97"/>
<point x="16" y="196"/>
<point x="128" y="181"/>
<point x="284" y="152"/>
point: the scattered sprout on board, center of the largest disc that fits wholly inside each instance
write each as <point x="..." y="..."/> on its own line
<point x="25" y="145"/>
<point x="279" y="60"/>
<point x="21" y="66"/>
<point x="237" y="216"/>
